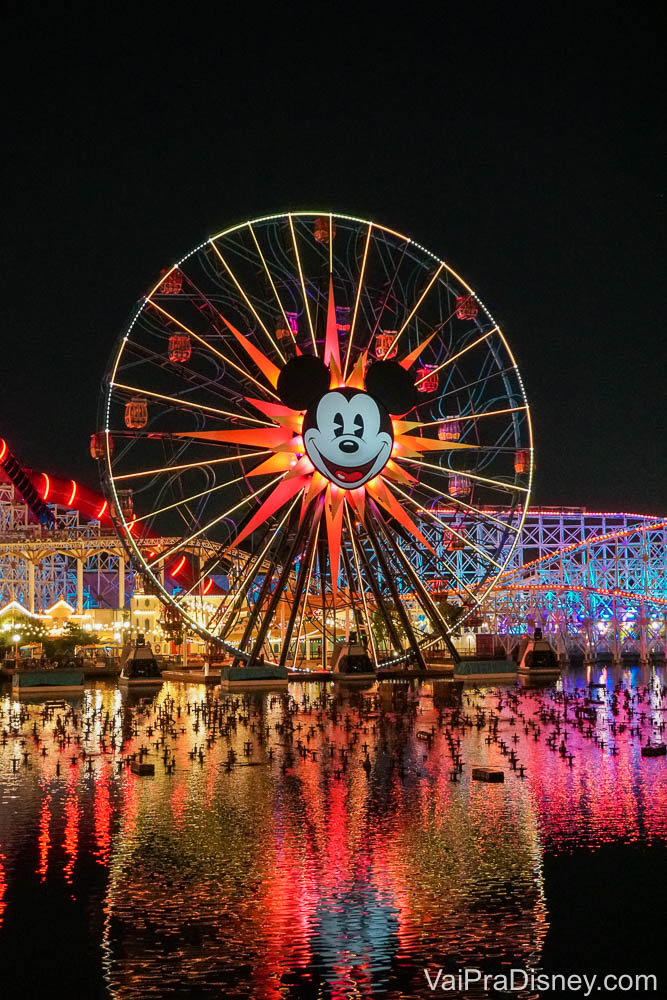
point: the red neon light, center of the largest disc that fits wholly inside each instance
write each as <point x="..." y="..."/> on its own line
<point x="208" y="585"/>
<point x="175" y="572"/>
<point x="102" y="510"/>
<point x="47" y="486"/>
<point x="72" y="495"/>
<point x="44" y="838"/>
<point x="4" y="449"/>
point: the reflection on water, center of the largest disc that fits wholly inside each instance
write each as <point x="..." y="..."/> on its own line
<point x="316" y="845"/>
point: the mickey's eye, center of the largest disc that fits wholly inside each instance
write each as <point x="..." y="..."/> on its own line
<point x="338" y="425"/>
<point x="358" y="426"/>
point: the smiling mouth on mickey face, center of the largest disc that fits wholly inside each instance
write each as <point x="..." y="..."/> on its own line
<point x="347" y="474"/>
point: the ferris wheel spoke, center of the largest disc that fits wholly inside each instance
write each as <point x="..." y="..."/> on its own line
<point x="360" y="286"/>
<point x="222" y="612"/>
<point x="303" y="284"/>
<point x="135" y="390"/>
<point x="437" y="328"/>
<point x="301" y="588"/>
<point x="306" y="594"/>
<point x="247" y="301"/>
<point x="460" y="354"/>
<point x="266" y="368"/>
<point x="209" y="569"/>
<point x="186" y="500"/>
<point x="362" y="589"/>
<point x="415" y="308"/>
<point x="241" y="569"/>
<point x="213" y="350"/>
<point x="375" y="587"/>
<point x="462" y="584"/>
<point x="377" y="315"/>
<point x="250" y="575"/>
<point x="362" y="625"/>
<point x="150" y="357"/>
<point x="196" y="534"/>
<point x="426" y="601"/>
<point x="289" y="557"/>
<point x="507" y="487"/>
<point x="252" y="564"/>
<point x="474" y="416"/>
<point x="467" y="386"/>
<point x="381" y="556"/>
<point x="201" y="464"/>
<point x="484" y="515"/>
<point x="200" y="579"/>
<point x="452" y="531"/>
<point x="273" y="286"/>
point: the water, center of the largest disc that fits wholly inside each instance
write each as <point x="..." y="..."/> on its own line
<point x="316" y="876"/>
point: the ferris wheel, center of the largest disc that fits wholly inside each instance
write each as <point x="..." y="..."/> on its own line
<point x="309" y="421"/>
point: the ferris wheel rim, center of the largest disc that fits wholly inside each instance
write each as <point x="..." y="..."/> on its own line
<point x="125" y="525"/>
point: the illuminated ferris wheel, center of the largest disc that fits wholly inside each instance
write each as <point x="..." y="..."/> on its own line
<point x="306" y="420"/>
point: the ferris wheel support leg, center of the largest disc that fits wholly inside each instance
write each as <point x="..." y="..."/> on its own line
<point x="288" y="564"/>
<point x="300" y="584"/>
<point x="251" y="567"/>
<point x="402" y="613"/>
<point x="322" y="560"/>
<point x="252" y="619"/>
<point x="427" y="601"/>
<point x="382" y="608"/>
<point x="355" y="611"/>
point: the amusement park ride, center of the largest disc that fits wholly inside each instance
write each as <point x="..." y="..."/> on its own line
<point x="289" y="402"/>
<point x="313" y="432"/>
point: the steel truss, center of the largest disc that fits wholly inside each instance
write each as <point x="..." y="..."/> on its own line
<point x="595" y="582"/>
<point x="75" y="562"/>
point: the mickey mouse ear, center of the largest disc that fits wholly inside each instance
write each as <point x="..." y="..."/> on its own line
<point x="392" y="386"/>
<point x="302" y="381"/>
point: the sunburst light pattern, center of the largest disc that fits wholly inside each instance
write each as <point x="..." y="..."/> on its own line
<point x="317" y="414"/>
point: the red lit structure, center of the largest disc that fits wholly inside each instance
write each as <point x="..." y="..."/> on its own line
<point x="466" y="307"/>
<point x="74" y="518"/>
<point x="427" y="379"/>
<point x="180" y="348"/>
<point x="522" y="462"/>
<point x="172" y="283"/>
<point x="383" y="345"/>
<point x="98" y="445"/>
<point x="321" y="229"/>
<point x="136" y="413"/>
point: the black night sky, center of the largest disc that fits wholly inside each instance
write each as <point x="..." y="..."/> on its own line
<point x="529" y="156"/>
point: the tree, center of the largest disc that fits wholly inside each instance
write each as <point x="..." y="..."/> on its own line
<point x="450" y="612"/>
<point x="29" y="630"/>
<point x="379" y="625"/>
<point x="64" y="645"/>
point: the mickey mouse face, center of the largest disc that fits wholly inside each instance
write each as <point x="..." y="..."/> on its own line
<point x="348" y="437"/>
<point x="347" y="433"/>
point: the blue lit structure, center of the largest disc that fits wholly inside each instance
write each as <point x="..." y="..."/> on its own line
<point x="595" y="582"/>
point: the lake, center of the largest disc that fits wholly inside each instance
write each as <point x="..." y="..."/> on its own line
<point x="330" y="842"/>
